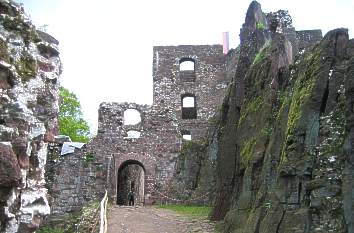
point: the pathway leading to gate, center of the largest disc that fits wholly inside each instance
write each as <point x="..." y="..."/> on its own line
<point x="127" y="219"/>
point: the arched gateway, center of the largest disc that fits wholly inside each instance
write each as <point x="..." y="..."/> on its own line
<point x="131" y="180"/>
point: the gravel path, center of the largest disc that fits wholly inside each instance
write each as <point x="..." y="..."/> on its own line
<point x="127" y="219"/>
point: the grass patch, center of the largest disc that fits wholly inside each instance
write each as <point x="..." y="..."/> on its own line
<point x="193" y="211"/>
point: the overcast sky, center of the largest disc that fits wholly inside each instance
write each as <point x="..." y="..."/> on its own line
<point x="106" y="45"/>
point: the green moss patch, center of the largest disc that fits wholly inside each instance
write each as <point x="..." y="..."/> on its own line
<point x="260" y="25"/>
<point x="247" y="150"/>
<point x="303" y="88"/>
<point x="26" y="67"/>
<point x="252" y="107"/>
<point x="262" y="52"/>
<point x="4" y="54"/>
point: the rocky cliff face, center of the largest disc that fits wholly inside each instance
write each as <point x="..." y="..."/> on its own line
<point x="285" y="133"/>
<point x="29" y="71"/>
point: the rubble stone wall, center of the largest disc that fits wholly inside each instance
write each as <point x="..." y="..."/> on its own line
<point x="208" y="86"/>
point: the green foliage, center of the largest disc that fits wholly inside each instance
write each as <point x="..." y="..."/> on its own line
<point x="78" y="222"/>
<point x="194" y="211"/>
<point x="267" y="130"/>
<point x="260" y="25"/>
<point x="71" y="122"/>
<point x="262" y="52"/>
<point x="259" y="56"/>
<point x="89" y="217"/>
<point x="267" y="205"/>
<point x="89" y="157"/>
<point x="12" y="23"/>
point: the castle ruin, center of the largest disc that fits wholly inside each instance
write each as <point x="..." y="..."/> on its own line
<point x="189" y="84"/>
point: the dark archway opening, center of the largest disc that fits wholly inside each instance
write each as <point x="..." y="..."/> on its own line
<point x="131" y="178"/>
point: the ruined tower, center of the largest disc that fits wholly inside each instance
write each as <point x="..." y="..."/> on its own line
<point x="189" y="79"/>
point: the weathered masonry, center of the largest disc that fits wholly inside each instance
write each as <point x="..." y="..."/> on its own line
<point x="140" y="152"/>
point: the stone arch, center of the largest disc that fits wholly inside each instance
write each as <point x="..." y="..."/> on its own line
<point x="131" y="176"/>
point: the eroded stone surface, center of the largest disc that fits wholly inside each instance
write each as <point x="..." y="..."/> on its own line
<point x="285" y="164"/>
<point x="10" y="174"/>
<point x="28" y="111"/>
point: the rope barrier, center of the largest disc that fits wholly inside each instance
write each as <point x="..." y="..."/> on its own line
<point x="103" y="214"/>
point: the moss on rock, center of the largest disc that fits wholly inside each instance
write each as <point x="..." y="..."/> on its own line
<point x="251" y="107"/>
<point x="247" y="150"/>
<point x="4" y="54"/>
<point x="26" y="67"/>
<point x="302" y="90"/>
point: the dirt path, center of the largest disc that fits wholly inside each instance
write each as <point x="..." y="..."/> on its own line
<point x="126" y="219"/>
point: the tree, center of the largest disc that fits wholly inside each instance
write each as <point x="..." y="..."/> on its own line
<point x="71" y="122"/>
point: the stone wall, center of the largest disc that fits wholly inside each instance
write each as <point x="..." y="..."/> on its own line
<point x="74" y="179"/>
<point x="307" y="38"/>
<point x="29" y="72"/>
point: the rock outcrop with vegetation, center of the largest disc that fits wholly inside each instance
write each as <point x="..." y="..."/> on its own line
<point x="29" y="71"/>
<point x="285" y="133"/>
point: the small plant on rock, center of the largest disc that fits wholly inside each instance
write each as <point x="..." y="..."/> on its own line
<point x="260" y="26"/>
<point x="89" y="157"/>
